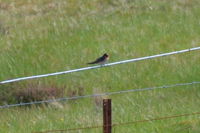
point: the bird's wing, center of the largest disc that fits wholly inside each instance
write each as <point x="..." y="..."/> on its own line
<point x="97" y="60"/>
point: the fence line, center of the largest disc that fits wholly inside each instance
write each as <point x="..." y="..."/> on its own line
<point x="96" y="95"/>
<point x="155" y="119"/>
<point x="99" y="66"/>
<point x="125" y="123"/>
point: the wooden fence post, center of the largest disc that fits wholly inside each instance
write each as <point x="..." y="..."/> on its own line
<point x="107" y="116"/>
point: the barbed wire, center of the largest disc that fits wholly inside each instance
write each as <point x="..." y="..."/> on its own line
<point x="125" y="123"/>
<point x="97" y="95"/>
<point x="155" y="119"/>
<point x="99" y="66"/>
<point x="70" y="129"/>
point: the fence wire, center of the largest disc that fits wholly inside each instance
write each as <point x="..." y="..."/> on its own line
<point x="122" y="124"/>
<point x="99" y="66"/>
<point x="97" y="95"/>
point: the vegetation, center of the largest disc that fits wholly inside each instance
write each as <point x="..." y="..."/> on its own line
<point x="44" y="36"/>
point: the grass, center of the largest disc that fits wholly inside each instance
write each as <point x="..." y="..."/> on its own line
<point x="45" y="36"/>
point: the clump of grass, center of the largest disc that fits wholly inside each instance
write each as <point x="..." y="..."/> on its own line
<point x="29" y="93"/>
<point x="3" y="29"/>
<point x="37" y="93"/>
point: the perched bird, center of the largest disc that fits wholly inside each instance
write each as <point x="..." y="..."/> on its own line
<point x="101" y="60"/>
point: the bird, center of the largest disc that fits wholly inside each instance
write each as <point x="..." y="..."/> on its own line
<point x="101" y="60"/>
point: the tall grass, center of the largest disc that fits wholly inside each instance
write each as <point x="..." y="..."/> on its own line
<point x="45" y="36"/>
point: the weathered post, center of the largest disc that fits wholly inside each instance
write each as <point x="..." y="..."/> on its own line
<point x="107" y="116"/>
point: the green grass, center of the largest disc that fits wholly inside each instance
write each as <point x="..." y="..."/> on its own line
<point x="45" y="36"/>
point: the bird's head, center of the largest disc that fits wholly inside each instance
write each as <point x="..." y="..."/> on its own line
<point x="106" y="55"/>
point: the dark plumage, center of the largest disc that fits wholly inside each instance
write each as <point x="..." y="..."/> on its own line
<point x="100" y="60"/>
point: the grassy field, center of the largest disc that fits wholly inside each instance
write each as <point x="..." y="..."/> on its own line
<point x="44" y="36"/>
